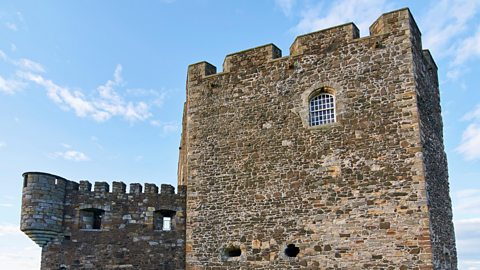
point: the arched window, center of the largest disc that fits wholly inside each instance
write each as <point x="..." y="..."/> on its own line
<point x="322" y="109"/>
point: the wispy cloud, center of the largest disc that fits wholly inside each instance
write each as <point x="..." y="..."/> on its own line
<point x="105" y="105"/>
<point x="468" y="49"/>
<point x="12" y="26"/>
<point x="6" y="204"/>
<point x="467" y="238"/>
<point x="450" y="32"/>
<point x="2" y="144"/>
<point x="71" y="155"/>
<point x="445" y="20"/>
<point x="362" y="12"/>
<point x="467" y="203"/>
<point x="286" y="6"/>
<point x="10" y="86"/>
<point x="9" y="229"/>
<point x="102" y="105"/>
<point x="29" y="65"/>
<point x="21" y="253"/>
<point x="470" y="143"/>
<point x="167" y="127"/>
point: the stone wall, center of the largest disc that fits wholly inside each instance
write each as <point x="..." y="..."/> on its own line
<point x="435" y="160"/>
<point x="129" y="235"/>
<point x="264" y="185"/>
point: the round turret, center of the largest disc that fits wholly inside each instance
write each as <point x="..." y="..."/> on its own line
<point x="43" y="199"/>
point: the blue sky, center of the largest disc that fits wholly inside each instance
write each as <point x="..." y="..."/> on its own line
<point x="95" y="89"/>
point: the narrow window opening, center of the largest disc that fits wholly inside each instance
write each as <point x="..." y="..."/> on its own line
<point x="56" y="181"/>
<point x="25" y="181"/>
<point x="232" y="251"/>
<point x="167" y="226"/>
<point x="91" y="218"/>
<point x="164" y="220"/>
<point x="67" y="237"/>
<point x="292" y="250"/>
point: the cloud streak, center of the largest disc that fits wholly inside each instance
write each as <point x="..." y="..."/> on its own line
<point x="105" y="105"/>
<point x="469" y="146"/>
<point x="71" y="155"/>
<point x="445" y="20"/>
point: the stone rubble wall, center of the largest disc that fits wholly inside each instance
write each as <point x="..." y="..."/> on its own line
<point x="127" y="238"/>
<point x="435" y="160"/>
<point x="349" y="195"/>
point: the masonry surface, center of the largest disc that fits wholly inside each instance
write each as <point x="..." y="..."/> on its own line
<point x="81" y="228"/>
<point x="260" y="188"/>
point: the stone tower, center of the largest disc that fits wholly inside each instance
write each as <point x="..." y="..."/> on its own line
<point x="43" y="200"/>
<point x="78" y="228"/>
<point x="329" y="158"/>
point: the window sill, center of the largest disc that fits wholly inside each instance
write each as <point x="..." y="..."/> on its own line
<point x="325" y="126"/>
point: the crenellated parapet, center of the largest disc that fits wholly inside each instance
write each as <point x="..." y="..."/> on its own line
<point x="118" y="187"/>
<point x="53" y="206"/>
<point x="332" y="40"/>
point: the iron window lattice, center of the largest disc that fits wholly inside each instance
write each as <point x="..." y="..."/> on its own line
<point x="322" y="109"/>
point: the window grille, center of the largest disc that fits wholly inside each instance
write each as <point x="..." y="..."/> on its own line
<point x="322" y="109"/>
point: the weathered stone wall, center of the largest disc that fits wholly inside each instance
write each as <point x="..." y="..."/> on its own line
<point x="129" y="236"/>
<point x="43" y="198"/>
<point x="350" y="195"/>
<point x="436" y="174"/>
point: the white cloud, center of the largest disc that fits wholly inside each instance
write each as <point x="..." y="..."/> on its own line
<point x="468" y="48"/>
<point x="66" y="145"/>
<point x="9" y="229"/>
<point x="170" y="127"/>
<point x="29" y="65"/>
<point x="3" y="56"/>
<point x="71" y="155"/>
<point x="445" y="20"/>
<point x="467" y="203"/>
<point x="286" y="6"/>
<point x="10" y="86"/>
<point x="107" y="104"/>
<point x="167" y="127"/>
<point x="467" y="238"/>
<point x="469" y="264"/>
<point x="362" y="12"/>
<point x="13" y="47"/>
<point x="3" y="144"/>
<point x="6" y="204"/>
<point x="11" y="26"/>
<point x="103" y="105"/>
<point x="470" y="145"/>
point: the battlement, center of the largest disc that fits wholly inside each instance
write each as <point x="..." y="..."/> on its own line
<point x="42" y="180"/>
<point x="330" y="40"/>
<point x="47" y="197"/>
<point x="119" y="187"/>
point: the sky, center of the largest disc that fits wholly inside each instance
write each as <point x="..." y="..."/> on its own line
<point x="94" y="90"/>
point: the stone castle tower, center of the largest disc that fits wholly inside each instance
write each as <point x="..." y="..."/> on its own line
<point x="329" y="158"/>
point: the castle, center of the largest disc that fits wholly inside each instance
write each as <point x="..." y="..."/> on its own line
<point x="329" y="158"/>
